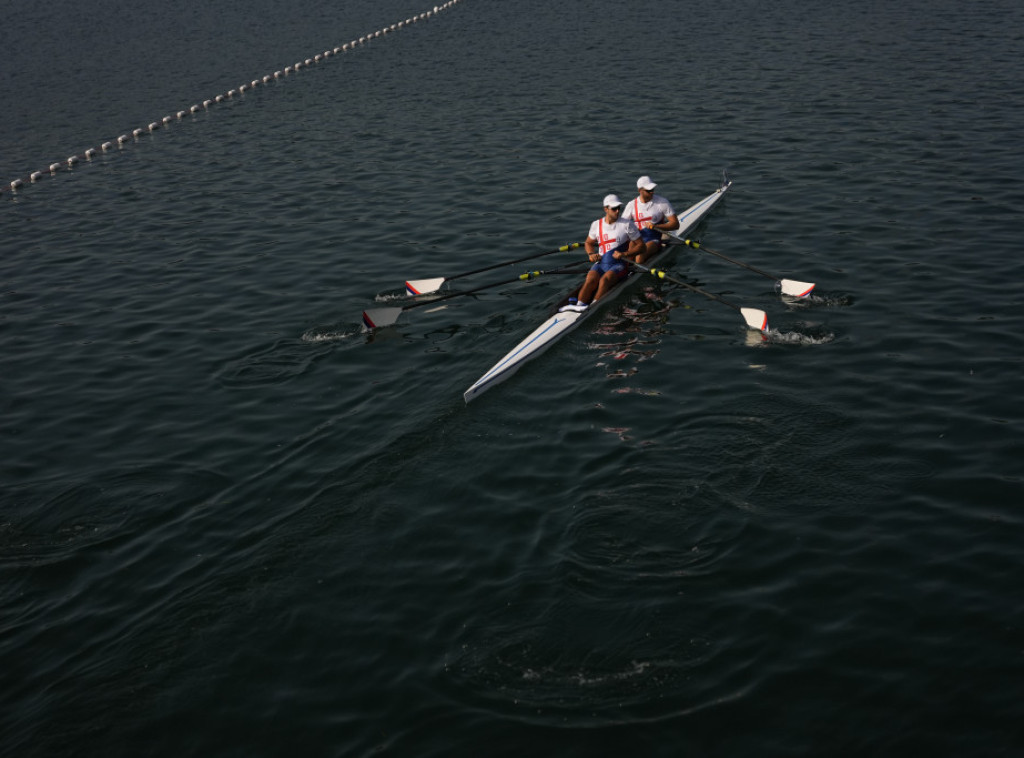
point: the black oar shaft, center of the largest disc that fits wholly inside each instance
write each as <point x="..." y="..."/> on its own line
<point x="562" y="249"/>
<point x="657" y="272"/>
<point x="723" y="256"/>
<point x="525" y="277"/>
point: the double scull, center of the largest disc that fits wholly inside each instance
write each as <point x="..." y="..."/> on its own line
<point x="558" y="324"/>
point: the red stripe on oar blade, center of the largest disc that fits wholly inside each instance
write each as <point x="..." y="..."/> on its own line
<point x="755" y="318"/>
<point x="424" y="286"/>
<point x="794" y="288"/>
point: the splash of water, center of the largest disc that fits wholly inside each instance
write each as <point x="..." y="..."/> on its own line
<point x="811" y="336"/>
<point x="318" y="334"/>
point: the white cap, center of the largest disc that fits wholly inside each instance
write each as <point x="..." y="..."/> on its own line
<point x="612" y="201"/>
<point x="645" y="182"/>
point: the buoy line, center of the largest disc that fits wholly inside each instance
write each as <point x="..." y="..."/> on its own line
<point x="135" y="134"/>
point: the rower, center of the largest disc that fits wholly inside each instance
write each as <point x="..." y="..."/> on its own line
<point x="611" y="243"/>
<point x="652" y="215"/>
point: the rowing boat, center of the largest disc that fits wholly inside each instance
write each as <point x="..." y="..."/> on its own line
<point x="558" y="324"/>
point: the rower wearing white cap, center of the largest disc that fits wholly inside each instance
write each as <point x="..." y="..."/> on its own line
<point x="611" y="243"/>
<point x="652" y="215"/>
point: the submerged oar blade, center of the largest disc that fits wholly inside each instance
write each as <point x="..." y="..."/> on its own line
<point x="756" y="319"/>
<point x="375" y="318"/>
<point x="794" y="288"/>
<point x="424" y="286"/>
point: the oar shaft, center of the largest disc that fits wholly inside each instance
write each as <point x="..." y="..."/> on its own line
<point x="524" y="277"/>
<point x="562" y="249"/>
<point x="657" y="272"/>
<point x="724" y="257"/>
<point x="755" y="317"/>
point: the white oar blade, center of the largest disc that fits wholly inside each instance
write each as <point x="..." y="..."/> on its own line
<point x="756" y="319"/>
<point x="423" y="286"/>
<point x="796" y="289"/>
<point x="375" y="318"/>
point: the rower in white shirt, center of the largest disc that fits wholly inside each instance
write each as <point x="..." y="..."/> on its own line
<point x="652" y="214"/>
<point x="611" y="244"/>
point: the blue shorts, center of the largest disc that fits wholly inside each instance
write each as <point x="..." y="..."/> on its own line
<point x="609" y="262"/>
<point x="650" y="235"/>
<point x="603" y="268"/>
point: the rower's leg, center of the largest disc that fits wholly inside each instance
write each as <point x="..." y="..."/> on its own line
<point x="607" y="282"/>
<point x="589" y="285"/>
<point x="650" y="248"/>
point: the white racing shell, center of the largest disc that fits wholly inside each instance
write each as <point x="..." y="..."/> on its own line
<point x="559" y="324"/>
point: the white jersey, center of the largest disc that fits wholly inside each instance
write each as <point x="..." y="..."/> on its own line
<point x="653" y="212"/>
<point x="610" y="237"/>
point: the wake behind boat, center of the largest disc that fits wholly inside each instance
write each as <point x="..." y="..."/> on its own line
<point x="559" y="324"/>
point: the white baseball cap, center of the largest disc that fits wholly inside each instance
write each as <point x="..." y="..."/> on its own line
<point x="645" y="182"/>
<point x="612" y="201"/>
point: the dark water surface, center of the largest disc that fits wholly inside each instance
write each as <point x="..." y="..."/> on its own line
<point x="232" y="523"/>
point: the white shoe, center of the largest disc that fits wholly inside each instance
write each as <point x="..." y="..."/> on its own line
<point x="574" y="308"/>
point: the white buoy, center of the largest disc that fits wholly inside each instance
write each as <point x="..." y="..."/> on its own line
<point x="122" y="139"/>
<point x="219" y="98"/>
<point x="72" y="160"/>
<point x="90" y="153"/>
<point x="194" y="109"/>
<point x="309" y="62"/>
<point x="16" y="184"/>
<point x="207" y="103"/>
<point x="54" y="168"/>
<point x="153" y="127"/>
<point x="35" y="176"/>
<point x="107" y="146"/>
<point x="318" y="58"/>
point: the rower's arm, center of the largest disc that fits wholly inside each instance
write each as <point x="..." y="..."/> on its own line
<point x="668" y="225"/>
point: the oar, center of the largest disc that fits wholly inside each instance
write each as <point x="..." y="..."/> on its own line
<point x="375" y="318"/>
<point x="789" y="287"/>
<point x="426" y="286"/>
<point x="756" y="319"/>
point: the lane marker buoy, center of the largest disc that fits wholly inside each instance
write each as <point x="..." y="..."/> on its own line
<point x="15" y="184"/>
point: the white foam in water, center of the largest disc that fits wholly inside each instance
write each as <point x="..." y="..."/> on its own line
<point x="778" y="337"/>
